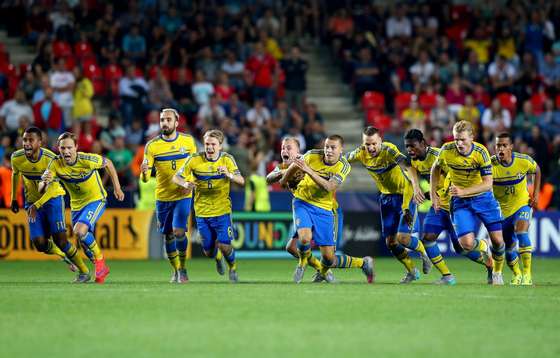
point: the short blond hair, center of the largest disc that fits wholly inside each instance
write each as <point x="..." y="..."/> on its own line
<point x="463" y="126"/>
<point x="215" y="133"/>
<point x="292" y="139"/>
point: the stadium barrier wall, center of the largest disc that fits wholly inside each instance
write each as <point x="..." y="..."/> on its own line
<point x="121" y="233"/>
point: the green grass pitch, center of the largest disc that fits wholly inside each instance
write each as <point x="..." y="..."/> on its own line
<point x="138" y="314"/>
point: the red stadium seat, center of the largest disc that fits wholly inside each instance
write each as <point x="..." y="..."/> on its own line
<point x="112" y="72"/>
<point x="428" y="101"/>
<point x="378" y="120"/>
<point x="402" y="101"/>
<point x="558" y="101"/>
<point x="538" y="100"/>
<point x="70" y="63"/>
<point x="83" y="49"/>
<point x="175" y="74"/>
<point x="61" y="49"/>
<point x="373" y="100"/>
<point x="166" y="72"/>
<point x="508" y="101"/>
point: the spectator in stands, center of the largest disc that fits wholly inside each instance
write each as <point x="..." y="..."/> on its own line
<point x="495" y="120"/>
<point x="159" y="93"/>
<point x="121" y="157"/>
<point x="540" y="145"/>
<point x="134" y="134"/>
<point x="48" y="116"/>
<point x="284" y="117"/>
<point x="223" y="88"/>
<point x="171" y="21"/>
<point x="455" y="95"/>
<point x="473" y="71"/>
<point x="62" y="82"/>
<point x="29" y="84"/>
<point x="398" y="25"/>
<point x="259" y="115"/>
<point x="502" y="75"/>
<point x="269" y="23"/>
<point x="425" y="23"/>
<point x="549" y="69"/>
<point x="134" y="45"/>
<point x="152" y="125"/>
<point x="423" y="70"/>
<point x="549" y="120"/>
<point x="201" y="88"/>
<point x="263" y="69"/>
<point x="236" y="110"/>
<point x="295" y="70"/>
<point x="524" y="121"/>
<point x="314" y="126"/>
<point x="441" y="116"/>
<point x="234" y="69"/>
<point x="470" y="112"/>
<point x="446" y="69"/>
<point x="112" y="131"/>
<point x="414" y="116"/>
<point x="83" y="94"/>
<point x="132" y="91"/>
<point x="13" y="110"/>
<point x="207" y="64"/>
<point x="366" y="75"/>
<point x="62" y="21"/>
<point x="210" y="115"/>
<point x="240" y="151"/>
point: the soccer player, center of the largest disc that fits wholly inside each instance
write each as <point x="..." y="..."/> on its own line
<point x="209" y="173"/>
<point x="167" y="153"/>
<point x="79" y="174"/>
<point x="423" y="157"/>
<point x="470" y="174"/>
<point x="325" y="170"/>
<point x="387" y="165"/>
<point x="510" y="171"/>
<point x="45" y="211"/>
<point x="290" y="150"/>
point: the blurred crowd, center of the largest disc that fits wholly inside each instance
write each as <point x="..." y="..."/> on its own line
<point x="238" y="65"/>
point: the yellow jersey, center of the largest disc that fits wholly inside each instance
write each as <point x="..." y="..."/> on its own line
<point x="465" y="170"/>
<point x="31" y="173"/>
<point x="81" y="179"/>
<point x="167" y="156"/>
<point x="309" y="191"/>
<point x="425" y="166"/>
<point x="384" y="169"/>
<point x="510" y="182"/>
<point x="211" y="193"/>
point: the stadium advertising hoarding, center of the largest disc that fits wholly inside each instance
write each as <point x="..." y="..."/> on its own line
<point x="121" y="233"/>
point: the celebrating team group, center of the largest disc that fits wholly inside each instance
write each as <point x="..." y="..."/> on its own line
<point x="467" y="185"/>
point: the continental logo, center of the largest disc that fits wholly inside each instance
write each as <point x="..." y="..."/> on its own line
<point x="121" y="233"/>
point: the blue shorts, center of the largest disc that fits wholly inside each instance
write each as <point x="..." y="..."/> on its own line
<point x="215" y="228"/>
<point x="320" y="221"/>
<point x="89" y="214"/>
<point x="392" y="218"/>
<point x="485" y="207"/>
<point x="435" y="223"/>
<point x="173" y="214"/>
<point x="50" y="219"/>
<point x="508" y="225"/>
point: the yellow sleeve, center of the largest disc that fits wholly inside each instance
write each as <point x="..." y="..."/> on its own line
<point x="50" y="193"/>
<point x="340" y="177"/>
<point x="15" y="184"/>
<point x="407" y="195"/>
<point x="440" y="161"/>
<point x="486" y="163"/>
<point x="231" y="165"/>
<point x="355" y="155"/>
<point x="148" y="159"/>
<point x="395" y="154"/>
<point x="531" y="165"/>
<point x="95" y="161"/>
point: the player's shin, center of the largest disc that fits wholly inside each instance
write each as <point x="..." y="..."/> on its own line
<point x="171" y="251"/>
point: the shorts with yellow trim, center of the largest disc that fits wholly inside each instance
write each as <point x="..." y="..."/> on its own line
<point x="89" y="214"/>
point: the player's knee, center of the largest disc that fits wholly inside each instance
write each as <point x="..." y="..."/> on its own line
<point x="466" y="244"/>
<point x="327" y="259"/>
<point x="291" y="246"/>
<point x="178" y="232"/>
<point x="403" y="239"/>
<point x="60" y="239"/>
<point x="41" y="244"/>
<point x="429" y="238"/>
<point x="225" y="248"/>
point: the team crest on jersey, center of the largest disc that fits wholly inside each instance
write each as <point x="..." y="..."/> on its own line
<point x="182" y="150"/>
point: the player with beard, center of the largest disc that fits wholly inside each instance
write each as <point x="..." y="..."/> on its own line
<point x="167" y="153"/>
<point x="45" y="211"/>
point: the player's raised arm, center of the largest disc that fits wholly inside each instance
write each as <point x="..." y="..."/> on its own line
<point x="328" y="185"/>
<point x="288" y="175"/>
<point x="275" y="175"/>
<point x="110" y="168"/>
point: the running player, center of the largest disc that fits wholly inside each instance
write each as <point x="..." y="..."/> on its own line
<point x="46" y="214"/>
<point x="325" y="170"/>
<point x="167" y="153"/>
<point x="470" y="174"/>
<point x="387" y="165"/>
<point x="210" y="173"/>
<point x="79" y="174"/>
<point x="510" y="171"/>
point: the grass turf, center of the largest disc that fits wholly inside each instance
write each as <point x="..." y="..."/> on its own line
<point x="138" y="314"/>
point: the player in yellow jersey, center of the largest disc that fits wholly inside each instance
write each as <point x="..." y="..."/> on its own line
<point x="314" y="201"/>
<point x="167" y="153"/>
<point x="470" y="174"/>
<point x="387" y="165"/>
<point x="290" y="149"/>
<point x="422" y="159"/>
<point x="510" y="171"/>
<point x="46" y="215"/>
<point x="210" y="173"/>
<point x="78" y="172"/>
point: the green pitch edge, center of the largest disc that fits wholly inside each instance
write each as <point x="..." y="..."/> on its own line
<point x="262" y="216"/>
